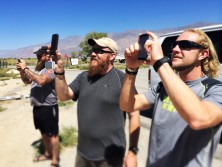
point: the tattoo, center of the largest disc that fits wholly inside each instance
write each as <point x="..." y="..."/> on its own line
<point x="36" y="77"/>
<point x="25" y="78"/>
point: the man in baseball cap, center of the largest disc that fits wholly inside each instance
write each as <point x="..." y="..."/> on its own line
<point x="101" y="133"/>
<point x="41" y="51"/>
<point x="104" y="42"/>
<point x="43" y="98"/>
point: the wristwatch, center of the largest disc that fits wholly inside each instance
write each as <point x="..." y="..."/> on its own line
<point x="134" y="149"/>
<point x="160" y="62"/>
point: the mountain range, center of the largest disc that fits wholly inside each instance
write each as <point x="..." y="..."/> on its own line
<point x="71" y="43"/>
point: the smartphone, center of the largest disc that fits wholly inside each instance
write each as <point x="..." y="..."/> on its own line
<point x="19" y="61"/>
<point x="142" y="52"/>
<point x="50" y="65"/>
<point x="54" y="46"/>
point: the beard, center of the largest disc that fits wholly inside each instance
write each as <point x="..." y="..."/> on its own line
<point x="99" y="69"/>
<point x="185" y="67"/>
<point x="39" y="66"/>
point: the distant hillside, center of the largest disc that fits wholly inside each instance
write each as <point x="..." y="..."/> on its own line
<point x="71" y="43"/>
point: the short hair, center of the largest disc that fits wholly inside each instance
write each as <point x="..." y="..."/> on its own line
<point x="210" y="65"/>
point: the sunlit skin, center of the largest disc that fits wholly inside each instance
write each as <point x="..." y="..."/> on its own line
<point x="100" y="64"/>
<point x="186" y="61"/>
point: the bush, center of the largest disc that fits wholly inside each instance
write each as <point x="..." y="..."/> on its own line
<point x="6" y="76"/>
<point x="65" y="103"/>
<point x="68" y="137"/>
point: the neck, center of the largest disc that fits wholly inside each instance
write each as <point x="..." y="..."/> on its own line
<point x="109" y="68"/>
<point x="191" y="75"/>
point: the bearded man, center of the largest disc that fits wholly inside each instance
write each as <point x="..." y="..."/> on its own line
<point x="44" y="101"/>
<point x="101" y="135"/>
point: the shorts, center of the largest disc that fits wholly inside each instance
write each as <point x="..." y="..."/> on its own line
<point x="46" y="119"/>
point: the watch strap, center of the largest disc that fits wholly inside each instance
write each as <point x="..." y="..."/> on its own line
<point x="62" y="73"/>
<point x="160" y="62"/>
<point x="134" y="149"/>
<point x="131" y="71"/>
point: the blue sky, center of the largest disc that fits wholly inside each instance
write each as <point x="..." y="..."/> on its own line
<point x="29" y="22"/>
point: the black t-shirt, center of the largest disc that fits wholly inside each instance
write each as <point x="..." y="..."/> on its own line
<point x="100" y="121"/>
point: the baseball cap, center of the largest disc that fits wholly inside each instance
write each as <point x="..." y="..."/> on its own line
<point x="41" y="51"/>
<point x="104" y="42"/>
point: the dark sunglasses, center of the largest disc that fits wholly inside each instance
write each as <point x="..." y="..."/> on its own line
<point x="186" y="45"/>
<point x="99" y="51"/>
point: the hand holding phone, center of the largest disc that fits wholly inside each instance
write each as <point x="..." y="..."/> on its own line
<point x="142" y="52"/>
<point x="54" y="46"/>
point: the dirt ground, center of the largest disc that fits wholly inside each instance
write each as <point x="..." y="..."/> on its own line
<point x="17" y="132"/>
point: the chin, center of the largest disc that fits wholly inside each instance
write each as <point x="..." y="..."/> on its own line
<point x="94" y="63"/>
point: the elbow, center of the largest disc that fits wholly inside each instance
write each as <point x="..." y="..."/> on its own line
<point x="197" y="124"/>
<point x="40" y="82"/>
<point x="126" y="105"/>
<point x="125" y="108"/>
<point x="61" y="98"/>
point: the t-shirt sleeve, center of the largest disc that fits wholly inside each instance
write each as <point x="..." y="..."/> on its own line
<point x="214" y="95"/>
<point x="151" y="94"/>
<point x="75" y="86"/>
<point x="50" y="73"/>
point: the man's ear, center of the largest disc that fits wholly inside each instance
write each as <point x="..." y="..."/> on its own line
<point x="203" y="54"/>
<point x="113" y="56"/>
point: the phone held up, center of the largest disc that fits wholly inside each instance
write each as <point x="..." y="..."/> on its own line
<point x="54" y="47"/>
<point x="142" y="52"/>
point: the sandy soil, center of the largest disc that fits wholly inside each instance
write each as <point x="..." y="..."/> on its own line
<point x="17" y="132"/>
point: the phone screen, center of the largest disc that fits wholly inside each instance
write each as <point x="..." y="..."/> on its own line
<point x="142" y="52"/>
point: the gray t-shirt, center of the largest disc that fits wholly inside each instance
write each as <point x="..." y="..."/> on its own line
<point x="44" y="95"/>
<point x="100" y="120"/>
<point x="172" y="142"/>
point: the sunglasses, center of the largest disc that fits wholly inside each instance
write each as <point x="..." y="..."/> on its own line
<point x="186" y="45"/>
<point x="99" y="51"/>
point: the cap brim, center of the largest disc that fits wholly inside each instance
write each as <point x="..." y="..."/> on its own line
<point x="91" y="42"/>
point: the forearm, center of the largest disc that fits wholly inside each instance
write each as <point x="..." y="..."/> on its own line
<point x="32" y="76"/>
<point x="62" y="88"/>
<point x="127" y="99"/>
<point x="134" y="128"/>
<point x="195" y="112"/>
<point x="25" y="77"/>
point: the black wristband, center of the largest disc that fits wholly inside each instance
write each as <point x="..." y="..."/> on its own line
<point x="25" y="69"/>
<point x="160" y="62"/>
<point x="131" y="71"/>
<point x="134" y="149"/>
<point x="62" y="73"/>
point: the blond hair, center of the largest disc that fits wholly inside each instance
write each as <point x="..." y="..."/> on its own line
<point x="210" y="65"/>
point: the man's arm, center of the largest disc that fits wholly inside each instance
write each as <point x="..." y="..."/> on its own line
<point x="24" y="77"/>
<point x="129" y="101"/>
<point x="40" y="79"/>
<point x="197" y="113"/>
<point x="62" y="89"/>
<point x="28" y="76"/>
<point x="134" y="131"/>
